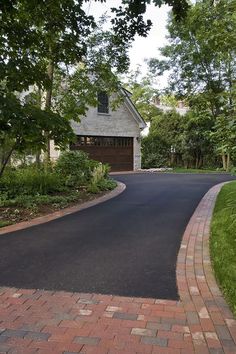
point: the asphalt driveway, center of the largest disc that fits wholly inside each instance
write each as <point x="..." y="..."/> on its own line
<point x="125" y="246"/>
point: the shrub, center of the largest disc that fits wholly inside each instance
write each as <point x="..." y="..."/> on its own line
<point x="233" y="170"/>
<point x="107" y="184"/>
<point x="4" y="223"/>
<point x="30" y="181"/>
<point x="93" y="188"/>
<point x="99" y="173"/>
<point x="29" y="201"/>
<point x="102" y="185"/>
<point x="154" y="160"/>
<point x="154" y="152"/>
<point x="75" y="167"/>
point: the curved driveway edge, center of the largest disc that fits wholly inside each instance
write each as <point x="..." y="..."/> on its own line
<point x="209" y="318"/>
<point x="58" y="214"/>
<point x="42" y="322"/>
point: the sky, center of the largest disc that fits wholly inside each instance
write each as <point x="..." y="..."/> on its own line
<point x="142" y="48"/>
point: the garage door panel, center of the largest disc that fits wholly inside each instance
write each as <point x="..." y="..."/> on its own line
<point x="116" y="151"/>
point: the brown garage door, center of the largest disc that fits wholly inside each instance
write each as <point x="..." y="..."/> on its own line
<point x="116" y="151"/>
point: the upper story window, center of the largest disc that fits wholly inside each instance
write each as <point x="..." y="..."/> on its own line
<point x="103" y="102"/>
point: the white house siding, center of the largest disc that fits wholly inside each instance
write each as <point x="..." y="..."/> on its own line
<point x="119" y="123"/>
<point x="54" y="153"/>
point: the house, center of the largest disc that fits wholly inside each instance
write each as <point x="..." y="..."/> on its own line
<point x="180" y="107"/>
<point x="111" y="136"/>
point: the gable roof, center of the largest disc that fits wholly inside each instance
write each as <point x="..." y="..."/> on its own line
<point x="132" y="109"/>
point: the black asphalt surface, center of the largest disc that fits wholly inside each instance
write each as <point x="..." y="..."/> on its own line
<point x="126" y="246"/>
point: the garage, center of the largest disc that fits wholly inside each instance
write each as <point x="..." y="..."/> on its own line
<point x="115" y="151"/>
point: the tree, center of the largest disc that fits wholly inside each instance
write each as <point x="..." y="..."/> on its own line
<point x="103" y="52"/>
<point x="201" y="57"/>
<point x="36" y="36"/>
<point x="75" y="91"/>
<point x="143" y="93"/>
<point x="22" y="127"/>
<point x="163" y="145"/>
<point x="129" y="21"/>
<point x="40" y="39"/>
<point x="224" y="137"/>
<point x="197" y="150"/>
<point x="72" y="93"/>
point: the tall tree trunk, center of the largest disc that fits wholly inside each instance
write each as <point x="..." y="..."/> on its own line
<point x="185" y="163"/>
<point x="228" y="162"/>
<point x="48" y="105"/>
<point x="37" y="158"/>
<point x="200" y="162"/>
<point x="196" y="161"/>
<point x="224" y="161"/>
<point x="6" y="160"/>
<point x="172" y="157"/>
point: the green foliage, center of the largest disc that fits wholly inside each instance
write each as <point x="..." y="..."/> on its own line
<point x="4" y="223"/>
<point x="176" y="140"/>
<point x="75" y="167"/>
<point x="163" y="145"/>
<point x="35" y="32"/>
<point x="224" y="134"/>
<point x="99" y="179"/>
<point x="99" y="173"/>
<point x="41" y="41"/>
<point x="129" y="19"/>
<point x="143" y="93"/>
<point x="104" y="184"/>
<point x="154" y="152"/>
<point x="223" y="242"/>
<point x="30" y="181"/>
<point x="197" y="146"/>
<point x="28" y="201"/>
<point x="22" y="127"/>
<point x="202" y="63"/>
<point x="200" y="53"/>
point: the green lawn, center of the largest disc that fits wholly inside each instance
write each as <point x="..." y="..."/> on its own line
<point x="194" y="170"/>
<point x="223" y="242"/>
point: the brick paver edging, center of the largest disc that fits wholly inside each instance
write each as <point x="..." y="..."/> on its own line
<point x="206" y="310"/>
<point x="58" y="214"/>
<point x="47" y="322"/>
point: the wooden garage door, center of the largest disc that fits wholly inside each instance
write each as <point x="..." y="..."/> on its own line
<point x="116" y="151"/>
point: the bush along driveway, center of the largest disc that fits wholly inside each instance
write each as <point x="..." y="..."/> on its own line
<point x="31" y="191"/>
<point x="36" y="321"/>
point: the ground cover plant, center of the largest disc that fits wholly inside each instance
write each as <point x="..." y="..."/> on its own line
<point x="223" y="242"/>
<point x="29" y="191"/>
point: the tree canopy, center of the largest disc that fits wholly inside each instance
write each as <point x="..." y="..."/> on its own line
<point x="201" y="58"/>
<point x="43" y="43"/>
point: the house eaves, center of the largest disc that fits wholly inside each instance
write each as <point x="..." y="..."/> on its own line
<point x="132" y="109"/>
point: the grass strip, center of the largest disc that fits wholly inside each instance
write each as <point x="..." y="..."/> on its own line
<point x="223" y="242"/>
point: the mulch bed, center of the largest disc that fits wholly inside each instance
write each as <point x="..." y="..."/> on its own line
<point x="13" y="214"/>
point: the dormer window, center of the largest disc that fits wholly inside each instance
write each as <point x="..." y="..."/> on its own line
<point x="103" y="102"/>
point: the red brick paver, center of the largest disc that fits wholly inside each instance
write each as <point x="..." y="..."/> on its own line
<point x="36" y="321"/>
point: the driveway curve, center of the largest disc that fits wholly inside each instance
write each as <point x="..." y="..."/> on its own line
<point x="126" y="246"/>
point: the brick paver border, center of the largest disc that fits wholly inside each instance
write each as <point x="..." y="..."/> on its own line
<point x="206" y="310"/>
<point x="47" y="322"/>
<point x="58" y="214"/>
